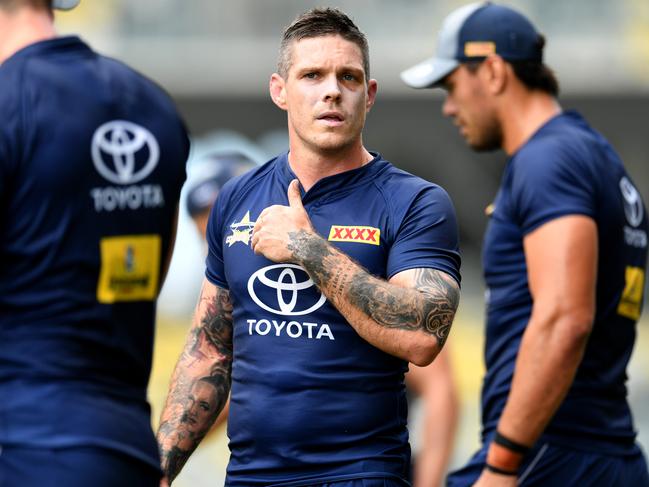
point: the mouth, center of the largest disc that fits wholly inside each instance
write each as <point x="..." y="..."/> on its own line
<point x="331" y="118"/>
<point x="460" y="127"/>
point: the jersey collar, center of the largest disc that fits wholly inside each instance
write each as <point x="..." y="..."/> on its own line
<point x="330" y="185"/>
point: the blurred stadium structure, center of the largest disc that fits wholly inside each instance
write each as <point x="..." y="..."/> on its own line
<point x="215" y="57"/>
<point x="216" y="47"/>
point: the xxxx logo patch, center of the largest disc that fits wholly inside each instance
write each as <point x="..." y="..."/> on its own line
<point x="366" y="235"/>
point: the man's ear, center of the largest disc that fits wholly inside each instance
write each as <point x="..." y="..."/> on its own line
<point x="277" y="88"/>
<point x="495" y="74"/>
<point x="372" y="87"/>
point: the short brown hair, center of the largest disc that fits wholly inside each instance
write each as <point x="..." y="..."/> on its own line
<point x="321" y="22"/>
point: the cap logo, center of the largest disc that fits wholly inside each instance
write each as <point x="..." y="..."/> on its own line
<point x="479" y="49"/>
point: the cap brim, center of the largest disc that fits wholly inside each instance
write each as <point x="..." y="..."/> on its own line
<point x="65" y="4"/>
<point x="429" y="73"/>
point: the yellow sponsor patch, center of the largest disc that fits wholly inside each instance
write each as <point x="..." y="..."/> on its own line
<point x="366" y="235"/>
<point x="479" y="49"/>
<point x="130" y="268"/>
<point x="631" y="300"/>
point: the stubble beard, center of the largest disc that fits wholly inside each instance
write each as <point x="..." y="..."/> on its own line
<point x="490" y="138"/>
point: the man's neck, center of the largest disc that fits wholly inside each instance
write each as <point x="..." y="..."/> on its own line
<point x="523" y="115"/>
<point x="310" y="166"/>
<point x="23" y="27"/>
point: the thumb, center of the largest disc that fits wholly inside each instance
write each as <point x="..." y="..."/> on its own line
<point x="294" y="196"/>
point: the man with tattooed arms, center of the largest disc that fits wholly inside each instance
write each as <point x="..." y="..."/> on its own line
<point x="328" y="271"/>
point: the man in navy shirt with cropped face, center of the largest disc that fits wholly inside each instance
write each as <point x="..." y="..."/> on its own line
<point x="92" y="159"/>
<point x="328" y="271"/>
<point x="564" y="256"/>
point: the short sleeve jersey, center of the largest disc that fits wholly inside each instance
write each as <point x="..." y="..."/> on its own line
<point x="92" y="159"/>
<point x="310" y="398"/>
<point x="567" y="168"/>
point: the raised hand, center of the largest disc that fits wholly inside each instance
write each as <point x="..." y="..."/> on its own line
<point x="279" y="229"/>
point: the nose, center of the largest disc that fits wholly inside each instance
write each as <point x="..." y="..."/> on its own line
<point x="331" y="89"/>
<point x="449" y="109"/>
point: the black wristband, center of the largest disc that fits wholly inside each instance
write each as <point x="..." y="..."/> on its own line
<point x="500" y="471"/>
<point x="511" y="445"/>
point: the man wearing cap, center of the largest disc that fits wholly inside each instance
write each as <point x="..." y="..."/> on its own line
<point x="92" y="159"/>
<point x="564" y="261"/>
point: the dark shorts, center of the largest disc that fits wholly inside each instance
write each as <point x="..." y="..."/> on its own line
<point x="552" y="465"/>
<point x="73" y="467"/>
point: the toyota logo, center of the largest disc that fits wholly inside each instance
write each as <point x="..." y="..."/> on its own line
<point x="124" y="152"/>
<point x="286" y="285"/>
<point x="632" y="202"/>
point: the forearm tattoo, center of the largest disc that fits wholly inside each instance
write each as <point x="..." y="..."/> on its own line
<point x="429" y="305"/>
<point x="200" y="384"/>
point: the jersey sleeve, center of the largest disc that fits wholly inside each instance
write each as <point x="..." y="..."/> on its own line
<point x="550" y="181"/>
<point x="427" y="236"/>
<point x="214" y="268"/>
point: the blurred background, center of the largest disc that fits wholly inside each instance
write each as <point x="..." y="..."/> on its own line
<point x="215" y="58"/>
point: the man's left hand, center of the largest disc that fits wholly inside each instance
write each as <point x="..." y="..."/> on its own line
<point x="491" y="479"/>
<point x="278" y="228"/>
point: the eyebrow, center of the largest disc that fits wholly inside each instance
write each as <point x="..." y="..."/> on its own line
<point x="346" y="68"/>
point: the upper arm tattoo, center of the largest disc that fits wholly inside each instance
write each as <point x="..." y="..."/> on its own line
<point x="443" y="299"/>
<point x="201" y="382"/>
<point x="431" y="308"/>
<point x="216" y="321"/>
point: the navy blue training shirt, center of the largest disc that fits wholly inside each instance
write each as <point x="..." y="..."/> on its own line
<point x="92" y="159"/>
<point x="310" y="398"/>
<point x="567" y="168"/>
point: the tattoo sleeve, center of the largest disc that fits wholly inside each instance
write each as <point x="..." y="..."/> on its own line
<point x="200" y="383"/>
<point x="427" y="304"/>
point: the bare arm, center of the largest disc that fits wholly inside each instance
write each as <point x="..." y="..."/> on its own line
<point x="435" y="386"/>
<point x="409" y="317"/>
<point x="562" y="270"/>
<point x="200" y="382"/>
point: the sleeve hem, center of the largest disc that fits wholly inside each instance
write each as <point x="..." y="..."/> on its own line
<point x="216" y="281"/>
<point x="554" y="215"/>
<point x="440" y="268"/>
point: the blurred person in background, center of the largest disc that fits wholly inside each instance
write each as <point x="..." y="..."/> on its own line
<point x="214" y="170"/>
<point x="564" y="262"/>
<point x="431" y="387"/>
<point x="315" y="345"/>
<point x="92" y="159"/>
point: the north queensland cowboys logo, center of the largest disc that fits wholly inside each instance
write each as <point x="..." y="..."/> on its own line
<point x="632" y="202"/>
<point x="241" y="231"/>
<point x="286" y="290"/>
<point x="124" y="152"/>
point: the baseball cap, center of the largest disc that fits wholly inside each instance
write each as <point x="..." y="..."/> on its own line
<point x="473" y="32"/>
<point x="65" y="4"/>
<point x="218" y="169"/>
